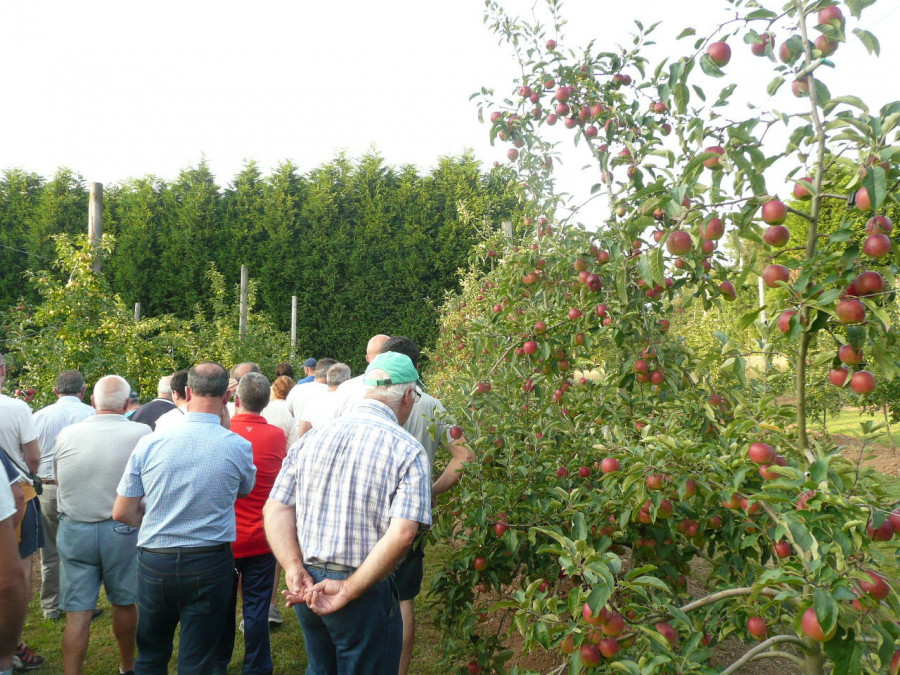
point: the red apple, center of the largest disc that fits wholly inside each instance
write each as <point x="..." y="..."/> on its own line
<point x="879" y="225"/>
<point x="830" y="15"/>
<point x="761" y="453"/>
<point x="759" y="48"/>
<point x="877" y="245"/>
<point x="850" y="311"/>
<point x="862" y="382"/>
<point x="667" y="632"/>
<point x="782" y="548"/>
<point x="812" y="628"/>
<point x="574" y="313"/>
<point x="773" y="274"/>
<point x="877" y="587"/>
<point x="826" y="45"/>
<point x="777" y="236"/>
<point x="589" y="615"/>
<point x="590" y="655"/>
<point x="551" y="45"/>
<point x="512" y="154"/>
<point x="848" y="354"/>
<point x="713" y="162"/>
<point x="884" y="532"/>
<point x="756" y="626"/>
<point x="473" y="667"/>
<point x="480" y="564"/>
<point x="456" y="432"/>
<point x="584" y="472"/>
<point x="714" y="229"/>
<point x="610" y="465"/>
<point x="863" y="202"/>
<point x="774" y="212"/>
<point x="679" y="243"/>
<point x="801" y="188"/>
<point x="720" y="53"/>
<point x="608" y="647"/>
<point x="800" y="87"/>
<point x="726" y="288"/>
<point x="654" y="481"/>
<point x="868" y="283"/>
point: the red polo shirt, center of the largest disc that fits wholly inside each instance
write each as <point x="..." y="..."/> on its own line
<point x="268" y="453"/>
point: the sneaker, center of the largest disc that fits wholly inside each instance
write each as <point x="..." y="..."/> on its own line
<point x="25" y="658"/>
<point x="275" y="615"/>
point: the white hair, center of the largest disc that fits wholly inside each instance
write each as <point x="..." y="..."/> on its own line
<point x="389" y="394"/>
<point x="111" y="393"/>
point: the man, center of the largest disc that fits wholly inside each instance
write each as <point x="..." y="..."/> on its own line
<point x="13" y="601"/>
<point x="178" y="383"/>
<point x="236" y="373"/>
<point x="344" y="510"/>
<point x="299" y="396"/>
<point x="309" y="367"/>
<point x="352" y="391"/>
<point x="48" y="422"/>
<point x="284" y="368"/>
<point x="253" y="558"/>
<point x="152" y="411"/>
<point x="428" y="425"/>
<point x="18" y="439"/>
<point x="134" y="402"/>
<point x="89" y="462"/>
<point x="179" y="487"/>
<point x="320" y="409"/>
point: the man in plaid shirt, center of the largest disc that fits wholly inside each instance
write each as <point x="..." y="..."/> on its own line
<point x="347" y="505"/>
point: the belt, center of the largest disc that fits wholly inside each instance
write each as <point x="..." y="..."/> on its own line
<point x="48" y="481"/>
<point x="188" y="550"/>
<point x="331" y="567"/>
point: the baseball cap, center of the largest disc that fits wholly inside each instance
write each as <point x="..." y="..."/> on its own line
<point x="310" y="363"/>
<point x="399" y="367"/>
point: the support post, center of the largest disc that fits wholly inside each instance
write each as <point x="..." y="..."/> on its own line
<point x="245" y="277"/>
<point x="137" y="312"/>
<point x="507" y="229"/>
<point x="95" y="222"/>
<point x="293" y="326"/>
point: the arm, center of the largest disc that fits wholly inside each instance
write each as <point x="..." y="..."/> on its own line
<point x="461" y="454"/>
<point x="128" y="510"/>
<point x="31" y="452"/>
<point x="19" y="498"/>
<point x="12" y="592"/>
<point x="330" y="595"/>
<point x="303" y="428"/>
<point x="280" y="523"/>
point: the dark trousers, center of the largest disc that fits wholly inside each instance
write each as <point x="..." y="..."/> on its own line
<point x="195" y="590"/>
<point x="257" y="575"/>
<point x="362" y="638"/>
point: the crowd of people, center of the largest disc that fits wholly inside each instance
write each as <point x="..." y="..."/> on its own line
<point x="204" y="495"/>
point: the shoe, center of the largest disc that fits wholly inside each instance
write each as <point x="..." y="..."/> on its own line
<point x="25" y="658"/>
<point x="275" y="615"/>
<point x="53" y="615"/>
<point x="97" y="613"/>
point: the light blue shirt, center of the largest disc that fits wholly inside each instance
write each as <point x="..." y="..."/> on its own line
<point x="49" y="421"/>
<point x="189" y="477"/>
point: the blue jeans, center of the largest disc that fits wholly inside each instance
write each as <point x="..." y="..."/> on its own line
<point x="194" y="589"/>
<point x="363" y="638"/>
<point x="257" y="573"/>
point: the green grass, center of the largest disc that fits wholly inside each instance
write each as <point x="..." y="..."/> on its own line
<point x="848" y="423"/>
<point x="288" y="655"/>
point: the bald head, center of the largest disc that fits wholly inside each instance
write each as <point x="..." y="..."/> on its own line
<point x="241" y="369"/>
<point x="110" y="395"/>
<point x="374" y="346"/>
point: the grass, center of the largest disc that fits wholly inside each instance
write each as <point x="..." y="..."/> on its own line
<point x="288" y="656"/>
<point x="848" y="422"/>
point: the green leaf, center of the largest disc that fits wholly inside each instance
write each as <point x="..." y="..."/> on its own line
<point x="847" y="100"/>
<point x="687" y="32"/>
<point x="774" y="85"/>
<point x="875" y="182"/>
<point x="657" y="266"/>
<point x="652" y="582"/>
<point x="826" y="609"/>
<point x="870" y="42"/>
<point x="829" y="296"/>
<point x="709" y="67"/>
<point x="747" y="319"/>
<point x="761" y="14"/>
<point x="845" y="652"/>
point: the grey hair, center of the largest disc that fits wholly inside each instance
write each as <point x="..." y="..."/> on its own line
<point x="390" y="394"/>
<point x="322" y="366"/>
<point x="111" y="393"/>
<point x="69" y="383"/>
<point x="337" y="374"/>
<point x="164" y="388"/>
<point x="208" y="378"/>
<point x="253" y="390"/>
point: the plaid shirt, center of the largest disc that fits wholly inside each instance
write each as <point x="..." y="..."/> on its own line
<point x="348" y="478"/>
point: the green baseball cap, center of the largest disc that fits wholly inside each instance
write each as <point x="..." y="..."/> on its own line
<point x="399" y="367"/>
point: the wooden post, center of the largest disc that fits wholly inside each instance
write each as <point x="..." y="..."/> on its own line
<point x="95" y="221"/>
<point x="242" y="326"/>
<point x="137" y="312"/>
<point x="293" y="326"/>
<point x="507" y="229"/>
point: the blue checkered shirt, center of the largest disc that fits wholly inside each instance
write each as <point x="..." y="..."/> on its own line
<point x="49" y="421"/>
<point x="189" y="477"/>
<point x="348" y="478"/>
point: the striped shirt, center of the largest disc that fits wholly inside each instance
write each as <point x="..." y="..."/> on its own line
<point x="348" y="478"/>
<point x="189" y="477"/>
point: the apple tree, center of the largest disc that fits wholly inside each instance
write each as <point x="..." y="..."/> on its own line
<point x="619" y="463"/>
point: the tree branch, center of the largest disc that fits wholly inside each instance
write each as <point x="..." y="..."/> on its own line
<point x="759" y="649"/>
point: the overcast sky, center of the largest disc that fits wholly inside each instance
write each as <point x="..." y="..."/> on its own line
<point x="115" y="88"/>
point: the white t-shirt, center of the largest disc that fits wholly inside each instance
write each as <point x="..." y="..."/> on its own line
<point x="7" y="503"/>
<point x="16" y="428"/>
<point x="301" y="394"/>
<point x="169" y="419"/>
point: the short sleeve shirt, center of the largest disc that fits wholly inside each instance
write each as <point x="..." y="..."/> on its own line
<point x="347" y="479"/>
<point x="16" y="428"/>
<point x="189" y="477"/>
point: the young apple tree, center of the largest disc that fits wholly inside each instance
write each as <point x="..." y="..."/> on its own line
<point x="613" y="455"/>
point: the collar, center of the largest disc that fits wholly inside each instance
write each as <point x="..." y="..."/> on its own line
<point x="206" y="418"/>
<point x="107" y="417"/>
<point x="249" y="418"/>
<point x="372" y="406"/>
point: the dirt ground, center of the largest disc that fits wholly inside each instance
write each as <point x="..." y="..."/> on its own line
<point x="882" y="458"/>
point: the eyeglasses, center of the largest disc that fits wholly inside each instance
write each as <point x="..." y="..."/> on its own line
<point x="416" y="395"/>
